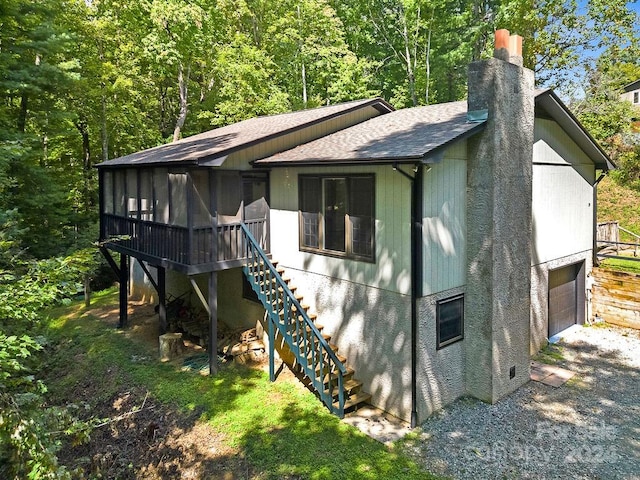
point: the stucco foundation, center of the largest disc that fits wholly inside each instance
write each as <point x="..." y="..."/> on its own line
<point x="440" y="372"/>
<point x="372" y="328"/>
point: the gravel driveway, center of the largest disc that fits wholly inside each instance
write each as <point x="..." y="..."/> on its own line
<point x="588" y="428"/>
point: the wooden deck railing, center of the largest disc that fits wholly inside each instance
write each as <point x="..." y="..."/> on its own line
<point x="181" y="245"/>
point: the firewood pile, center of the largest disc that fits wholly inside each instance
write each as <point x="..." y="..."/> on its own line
<point x="240" y="346"/>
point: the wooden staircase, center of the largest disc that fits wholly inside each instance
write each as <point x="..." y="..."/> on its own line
<point x="297" y="337"/>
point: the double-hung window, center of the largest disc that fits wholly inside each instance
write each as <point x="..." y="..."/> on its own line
<point x="337" y="215"/>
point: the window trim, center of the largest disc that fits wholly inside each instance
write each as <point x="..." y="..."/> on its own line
<point x="348" y="253"/>
<point x="457" y="338"/>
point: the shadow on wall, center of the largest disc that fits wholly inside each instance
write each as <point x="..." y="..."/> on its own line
<point x="372" y="328"/>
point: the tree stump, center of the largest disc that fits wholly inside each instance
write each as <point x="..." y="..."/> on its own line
<point x="170" y="346"/>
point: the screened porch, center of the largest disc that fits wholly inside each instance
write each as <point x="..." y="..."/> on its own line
<point x="185" y="219"/>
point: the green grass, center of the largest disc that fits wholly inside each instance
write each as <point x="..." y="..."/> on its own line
<point x="629" y="266"/>
<point x="282" y="430"/>
<point x="550" y="354"/>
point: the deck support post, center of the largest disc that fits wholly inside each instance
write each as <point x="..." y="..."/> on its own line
<point x="162" y="300"/>
<point x="272" y="341"/>
<point x="124" y="277"/>
<point x="213" y="323"/>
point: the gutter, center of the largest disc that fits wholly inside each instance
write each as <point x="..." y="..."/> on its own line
<point x="416" y="275"/>
<point x="596" y="262"/>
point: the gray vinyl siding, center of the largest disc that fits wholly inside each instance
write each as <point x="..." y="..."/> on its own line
<point x="390" y="271"/>
<point x="562" y="195"/>
<point x="444" y="223"/>
<point x="552" y="145"/>
<point x="444" y="227"/>
<point x="240" y="160"/>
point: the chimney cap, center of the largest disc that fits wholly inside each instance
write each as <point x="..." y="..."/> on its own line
<point x="508" y="47"/>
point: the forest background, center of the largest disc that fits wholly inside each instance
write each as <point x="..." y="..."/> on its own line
<point x="83" y="81"/>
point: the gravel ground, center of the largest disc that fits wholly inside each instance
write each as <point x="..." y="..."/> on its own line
<point x="589" y="428"/>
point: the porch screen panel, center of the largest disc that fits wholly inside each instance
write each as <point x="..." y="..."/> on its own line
<point x="132" y="193"/>
<point x="310" y="206"/>
<point x="361" y="215"/>
<point x="229" y="196"/>
<point x="107" y="191"/>
<point x="178" y="199"/>
<point x="146" y="195"/>
<point x="161" y="195"/>
<point x="254" y="196"/>
<point x="119" y="187"/>
<point x="201" y="198"/>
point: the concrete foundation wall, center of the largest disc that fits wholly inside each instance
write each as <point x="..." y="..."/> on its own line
<point x="540" y="295"/>
<point x="440" y="372"/>
<point x="371" y="327"/>
<point x="235" y="311"/>
<point x="140" y="288"/>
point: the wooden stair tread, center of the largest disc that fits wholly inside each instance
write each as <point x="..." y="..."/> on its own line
<point x="347" y="375"/>
<point x="354" y="400"/>
<point x="348" y="386"/>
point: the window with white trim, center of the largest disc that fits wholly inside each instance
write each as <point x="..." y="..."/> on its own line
<point x="337" y="215"/>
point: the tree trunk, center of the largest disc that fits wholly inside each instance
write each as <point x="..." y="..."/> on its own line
<point x="303" y="69"/>
<point x="104" y="134"/>
<point x="182" y="87"/>
<point x="428" y="58"/>
<point x="407" y="55"/>
<point x="22" y="115"/>
<point x="83" y="128"/>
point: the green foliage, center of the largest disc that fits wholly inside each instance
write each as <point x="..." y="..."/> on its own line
<point x="30" y="431"/>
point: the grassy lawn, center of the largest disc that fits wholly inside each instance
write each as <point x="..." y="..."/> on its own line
<point x="281" y="430"/>
<point x="629" y="266"/>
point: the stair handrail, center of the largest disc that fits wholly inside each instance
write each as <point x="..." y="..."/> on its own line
<point x="252" y="243"/>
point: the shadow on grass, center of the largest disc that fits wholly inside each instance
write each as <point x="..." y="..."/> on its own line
<point x="234" y="425"/>
<point x="307" y="442"/>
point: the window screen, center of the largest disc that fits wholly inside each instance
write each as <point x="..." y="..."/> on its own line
<point x="337" y="215"/>
<point x="450" y="320"/>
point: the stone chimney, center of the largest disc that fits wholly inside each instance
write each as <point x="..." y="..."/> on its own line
<point x="499" y="222"/>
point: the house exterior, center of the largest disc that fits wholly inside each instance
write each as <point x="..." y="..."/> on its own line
<point x="438" y="246"/>
<point x="632" y="93"/>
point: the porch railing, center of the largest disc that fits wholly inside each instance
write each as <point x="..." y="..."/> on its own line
<point x="182" y="245"/>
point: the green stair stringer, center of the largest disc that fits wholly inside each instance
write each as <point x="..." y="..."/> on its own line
<point x="313" y="354"/>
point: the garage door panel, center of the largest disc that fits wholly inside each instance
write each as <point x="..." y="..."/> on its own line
<point x="563" y="298"/>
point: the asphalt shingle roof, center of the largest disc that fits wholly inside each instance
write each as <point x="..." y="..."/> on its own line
<point x="411" y="133"/>
<point x="220" y="142"/>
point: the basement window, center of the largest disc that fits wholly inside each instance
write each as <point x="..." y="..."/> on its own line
<point x="450" y="321"/>
<point x="336" y="215"/>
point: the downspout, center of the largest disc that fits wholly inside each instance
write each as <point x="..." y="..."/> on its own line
<point x="595" y="219"/>
<point x="416" y="276"/>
